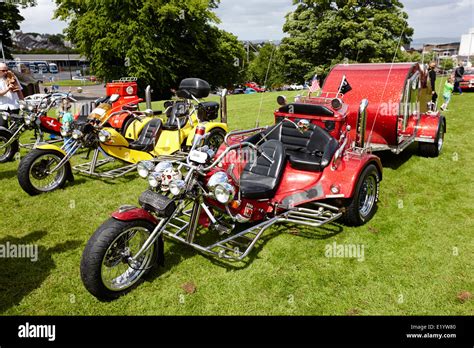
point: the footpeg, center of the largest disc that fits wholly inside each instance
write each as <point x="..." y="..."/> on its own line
<point x="222" y="228"/>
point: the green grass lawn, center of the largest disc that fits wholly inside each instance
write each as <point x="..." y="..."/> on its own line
<point x="418" y="248"/>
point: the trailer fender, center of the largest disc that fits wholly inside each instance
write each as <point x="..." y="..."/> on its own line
<point x="429" y="127"/>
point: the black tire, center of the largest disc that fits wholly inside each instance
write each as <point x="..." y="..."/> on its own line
<point x="7" y="154"/>
<point x="97" y="249"/>
<point x="215" y="138"/>
<point x="433" y="149"/>
<point x="25" y="168"/>
<point x="357" y="213"/>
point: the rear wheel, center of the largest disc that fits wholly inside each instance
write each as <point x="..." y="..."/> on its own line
<point x="33" y="172"/>
<point x="106" y="271"/>
<point x="363" y="205"/>
<point x="215" y="138"/>
<point x="433" y="149"/>
<point x="7" y="153"/>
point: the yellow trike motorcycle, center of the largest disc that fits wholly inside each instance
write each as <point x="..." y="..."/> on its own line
<point x="156" y="135"/>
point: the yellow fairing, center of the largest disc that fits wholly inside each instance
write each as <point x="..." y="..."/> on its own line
<point x="209" y="126"/>
<point x="50" y="147"/>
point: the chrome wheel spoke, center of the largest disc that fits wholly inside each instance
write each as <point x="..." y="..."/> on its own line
<point x="118" y="275"/>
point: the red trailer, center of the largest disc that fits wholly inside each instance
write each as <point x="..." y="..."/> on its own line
<point x="399" y="111"/>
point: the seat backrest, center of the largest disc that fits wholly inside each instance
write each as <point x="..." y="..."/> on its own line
<point x="307" y="109"/>
<point x="274" y="150"/>
<point x="291" y="137"/>
<point x="322" y="142"/>
<point x="176" y="114"/>
<point x="150" y="133"/>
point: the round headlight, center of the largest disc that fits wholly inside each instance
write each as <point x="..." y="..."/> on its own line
<point x="224" y="193"/>
<point x="76" y="134"/>
<point x="177" y="187"/>
<point x="154" y="179"/>
<point x="29" y="118"/>
<point x="30" y="107"/>
<point x="216" y="179"/>
<point x="144" y="168"/>
<point x="104" y="136"/>
<point x="5" y="115"/>
<point x="336" y="103"/>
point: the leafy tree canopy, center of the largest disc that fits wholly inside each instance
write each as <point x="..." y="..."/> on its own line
<point x="323" y="33"/>
<point x="158" y="41"/>
<point x="10" y="19"/>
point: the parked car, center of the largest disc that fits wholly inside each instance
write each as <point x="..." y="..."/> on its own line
<point x="296" y="87"/>
<point x="250" y="91"/>
<point x="467" y="80"/>
<point x="255" y="87"/>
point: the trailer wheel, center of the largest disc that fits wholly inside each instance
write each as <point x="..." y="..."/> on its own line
<point x="363" y="204"/>
<point x="433" y="149"/>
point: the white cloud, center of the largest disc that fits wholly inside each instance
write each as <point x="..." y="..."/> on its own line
<point x="38" y="19"/>
<point x="264" y="19"/>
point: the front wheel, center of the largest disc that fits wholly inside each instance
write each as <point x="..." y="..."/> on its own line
<point x="7" y="153"/>
<point x="363" y="205"/>
<point x="215" y="138"/>
<point x="33" y="172"/>
<point x="106" y="270"/>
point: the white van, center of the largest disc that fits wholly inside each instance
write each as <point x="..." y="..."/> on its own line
<point x="53" y="68"/>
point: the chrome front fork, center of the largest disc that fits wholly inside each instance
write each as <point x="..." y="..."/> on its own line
<point x="73" y="146"/>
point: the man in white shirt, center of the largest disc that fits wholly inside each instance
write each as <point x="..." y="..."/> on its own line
<point x="8" y="97"/>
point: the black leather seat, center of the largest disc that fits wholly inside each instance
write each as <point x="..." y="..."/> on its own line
<point x="261" y="177"/>
<point x="148" y="136"/>
<point x="176" y="116"/>
<point x="318" y="153"/>
<point x="311" y="150"/>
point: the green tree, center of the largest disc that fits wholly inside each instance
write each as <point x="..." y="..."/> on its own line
<point x="162" y="41"/>
<point x="267" y="67"/>
<point x="10" y="19"/>
<point x="323" y="33"/>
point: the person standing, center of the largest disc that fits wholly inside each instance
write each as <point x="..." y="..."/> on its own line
<point x="10" y="94"/>
<point x="432" y="76"/>
<point x="458" y="76"/>
<point x="447" y="91"/>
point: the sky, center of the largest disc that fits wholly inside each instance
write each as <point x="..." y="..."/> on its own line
<point x="264" y="19"/>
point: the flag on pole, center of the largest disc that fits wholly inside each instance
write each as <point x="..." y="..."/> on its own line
<point x="344" y="87"/>
<point x="314" y="85"/>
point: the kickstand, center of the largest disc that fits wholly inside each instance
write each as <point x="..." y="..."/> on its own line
<point x="88" y="153"/>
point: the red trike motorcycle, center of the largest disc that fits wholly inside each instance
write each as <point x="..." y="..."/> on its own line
<point x="294" y="172"/>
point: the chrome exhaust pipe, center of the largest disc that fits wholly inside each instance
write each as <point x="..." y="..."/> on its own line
<point x="148" y="97"/>
<point x="224" y="105"/>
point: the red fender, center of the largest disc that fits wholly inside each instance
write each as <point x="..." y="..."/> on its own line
<point x="134" y="214"/>
<point x="427" y="130"/>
